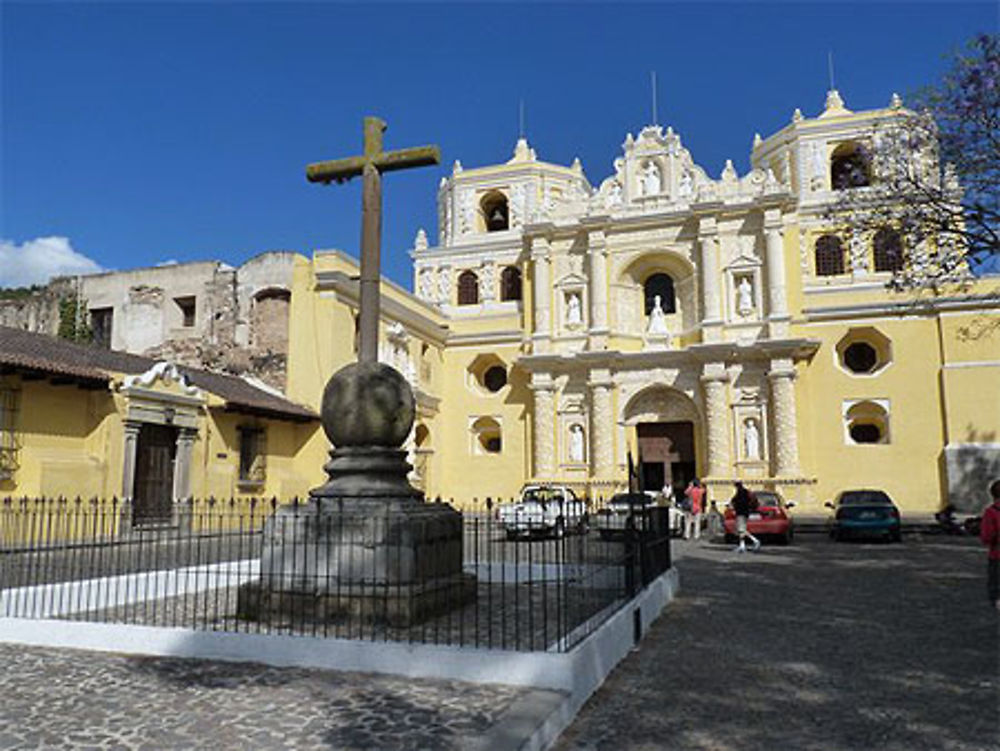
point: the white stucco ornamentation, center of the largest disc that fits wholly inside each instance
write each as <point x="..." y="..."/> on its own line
<point x="420" y="242"/>
<point x="602" y="439"/>
<point x="714" y="385"/>
<point x="426" y="284"/>
<point x="165" y="372"/>
<point x="544" y="427"/>
<point x="782" y="377"/>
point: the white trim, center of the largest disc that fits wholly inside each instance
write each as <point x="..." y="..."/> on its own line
<point x="972" y="364"/>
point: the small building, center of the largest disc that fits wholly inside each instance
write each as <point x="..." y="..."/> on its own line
<point x="78" y="420"/>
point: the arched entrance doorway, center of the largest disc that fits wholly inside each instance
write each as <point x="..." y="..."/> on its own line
<point x="665" y="423"/>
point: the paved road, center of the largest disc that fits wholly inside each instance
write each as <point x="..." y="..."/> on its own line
<point x="819" y="646"/>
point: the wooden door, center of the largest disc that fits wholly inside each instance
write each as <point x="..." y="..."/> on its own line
<point x="154" y="475"/>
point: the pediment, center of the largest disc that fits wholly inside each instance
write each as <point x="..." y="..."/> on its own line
<point x="163" y="377"/>
<point x="573" y="279"/>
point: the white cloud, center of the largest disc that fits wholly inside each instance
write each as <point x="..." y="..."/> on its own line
<point x="36" y="261"/>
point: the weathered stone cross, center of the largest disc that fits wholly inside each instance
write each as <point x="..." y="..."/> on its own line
<point x="371" y="166"/>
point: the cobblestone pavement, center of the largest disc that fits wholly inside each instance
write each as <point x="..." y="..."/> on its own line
<point x="818" y="646"/>
<point x="64" y="699"/>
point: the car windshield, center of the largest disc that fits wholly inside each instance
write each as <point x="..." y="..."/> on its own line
<point x="768" y="499"/>
<point x="541" y="495"/>
<point x="623" y="499"/>
<point x="865" y="497"/>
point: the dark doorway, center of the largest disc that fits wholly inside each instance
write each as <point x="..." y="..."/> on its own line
<point x="667" y="452"/>
<point x="154" y="475"/>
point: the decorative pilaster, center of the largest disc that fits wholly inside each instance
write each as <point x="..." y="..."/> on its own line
<point x="182" y="465"/>
<point x="713" y="380"/>
<point x="601" y="427"/>
<point x="708" y="236"/>
<point x="777" y="294"/>
<point x="542" y="290"/>
<point x="598" y="289"/>
<point x="786" y="440"/>
<point x="128" y="463"/>
<point x="544" y="429"/>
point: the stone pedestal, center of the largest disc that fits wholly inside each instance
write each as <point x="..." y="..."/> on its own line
<point x="366" y="546"/>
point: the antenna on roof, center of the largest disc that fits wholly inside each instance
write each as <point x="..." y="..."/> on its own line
<point x="520" y="118"/>
<point x="652" y="81"/>
<point x="829" y="63"/>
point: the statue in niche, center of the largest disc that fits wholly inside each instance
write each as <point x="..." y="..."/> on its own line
<point x="574" y="310"/>
<point x="614" y="197"/>
<point x="751" y="439"/>
<point x="576" y="443"/>
<point x="657" y="318"/>
<point x="651" y="179"/>
<point x="686" y="184"/>
<point x="744" y="298"/>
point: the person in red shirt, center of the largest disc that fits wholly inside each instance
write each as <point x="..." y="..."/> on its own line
<point x="693" y="506"/>
<point x="989" y="533"/>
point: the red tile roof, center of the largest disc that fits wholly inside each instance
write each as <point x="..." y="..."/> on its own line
<point x="46" y="354"/>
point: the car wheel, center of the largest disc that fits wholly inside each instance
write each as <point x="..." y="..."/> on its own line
<point x="785" y="538"/>
<point x="896" y="536"/>
<point x="604" y="534"/>
<point x="730" y="539"/>
<point x="511" y="534"/>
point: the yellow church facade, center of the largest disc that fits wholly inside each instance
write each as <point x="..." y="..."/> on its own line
<point x="721" y="328"/>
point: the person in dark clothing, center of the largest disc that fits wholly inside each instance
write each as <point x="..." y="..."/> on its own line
<point x="989" y="534"/>
<point x="743" y="503"/>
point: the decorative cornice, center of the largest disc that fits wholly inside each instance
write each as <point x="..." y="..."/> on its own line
<point x="912" y="307"/>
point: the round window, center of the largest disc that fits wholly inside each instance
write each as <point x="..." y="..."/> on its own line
<point x="860" y="357"/>
<point x="495" y="378"/>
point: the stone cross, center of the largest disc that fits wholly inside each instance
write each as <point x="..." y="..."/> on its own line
<point x="370" y="166"/>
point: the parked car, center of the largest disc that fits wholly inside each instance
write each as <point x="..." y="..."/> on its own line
<point x="544" y="510"/>
<point x="610" y="521"/>
<point x="864" y="513"/>
<point x="771" y="518"/>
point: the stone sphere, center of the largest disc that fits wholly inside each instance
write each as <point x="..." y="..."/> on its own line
<point x="367" y="404"/>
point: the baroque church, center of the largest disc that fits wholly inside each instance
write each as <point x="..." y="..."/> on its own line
<point x="720" y="328"/>
<point x="558" y="331"/>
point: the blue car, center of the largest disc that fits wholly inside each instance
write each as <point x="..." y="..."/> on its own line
<point x="864" y="513"/>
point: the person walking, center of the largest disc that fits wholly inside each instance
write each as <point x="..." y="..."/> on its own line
<point x="694" y="495"/>
<point x="743" y="503"/>
<point x="989" y="534"/>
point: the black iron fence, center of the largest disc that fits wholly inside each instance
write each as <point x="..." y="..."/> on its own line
<point x="258" y="566"/>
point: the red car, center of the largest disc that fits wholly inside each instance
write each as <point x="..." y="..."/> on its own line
<point x="771" y="519"/>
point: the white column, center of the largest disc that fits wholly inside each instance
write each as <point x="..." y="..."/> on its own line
<point x="182" y="464"/>
<point x="711" y="281"/>
<point x="544" y="429"/>
<point x="542" y="293"/>
<point x="128" y="463"/>
<point x="598" y="289"/>
<point x="713" y="380"/>
<point x="777" y="293"/>
<point x="786" y="439"/>
<point x="601" y="426"/>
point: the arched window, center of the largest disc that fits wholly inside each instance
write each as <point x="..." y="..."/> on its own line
<point x="888" y="250"/>
<point x="829" y="256"/>
<point x="495" y="212"/>
<point x="510" y="283"/>
<point x="662" y="285"/>
<point x="487" y="438"/>
<point x="849" y="167"/>
<point x="867" y="422"/>
<point x="468" y="288"/>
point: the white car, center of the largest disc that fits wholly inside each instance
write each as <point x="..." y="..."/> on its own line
<point x="544" y="510"/>
<point x="610" y="521"/>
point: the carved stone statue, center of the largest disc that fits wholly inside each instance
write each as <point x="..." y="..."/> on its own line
<point x="751" y="439"/>
<point x="574" y="310"/>
<point x="686" y="184"/>
<point x="576" y="443"/>
<point x="657" y="318"/>
<point x="744" y="297"/>
<point x="650" y="179"/>
<point x="614" y="196"/>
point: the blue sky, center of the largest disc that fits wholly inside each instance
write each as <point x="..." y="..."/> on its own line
<point x="143" y="132"/>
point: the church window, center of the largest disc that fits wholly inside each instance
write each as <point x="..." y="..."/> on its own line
<point x="662" y="286"/>
<point x="487" y="437"/>
<point x="252" y="455"/>
<point x="510" y="283"/>
<point x="495" y="378"/>
<point x="100" y="324"/>
<point x="860" y="357"/>
<point x="867" y="422"/>
<point x="468" y="288"/>
<point x="187" y="306"/>
<point x="849" y="167"/>
<point x="888" y="250"/>
<point x="495" y="211"/>
<point x="9" y="445"/>
<point x="829" y="256"/>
